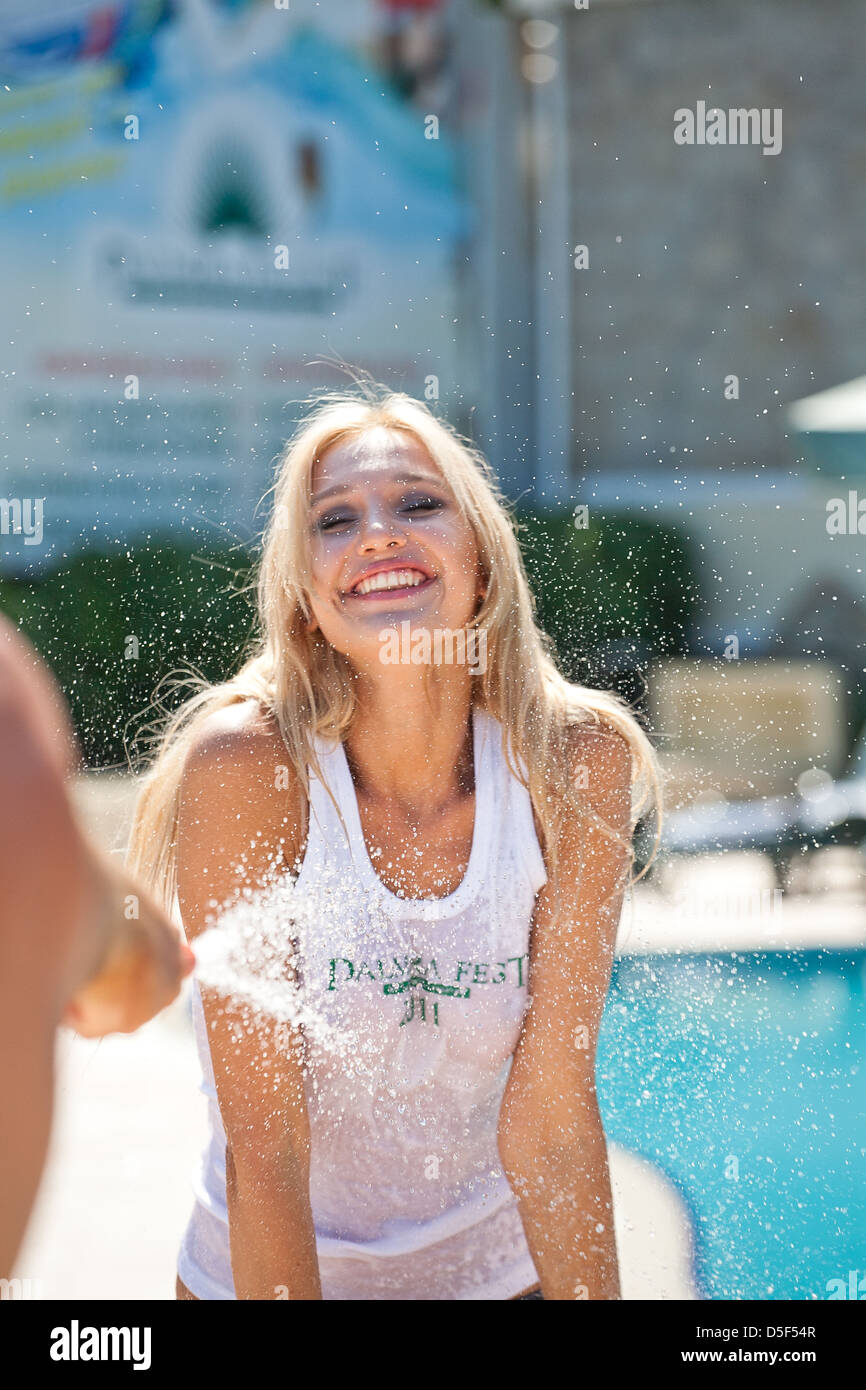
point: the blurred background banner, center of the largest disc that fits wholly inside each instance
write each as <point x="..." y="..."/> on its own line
<point x="197" y="199"/>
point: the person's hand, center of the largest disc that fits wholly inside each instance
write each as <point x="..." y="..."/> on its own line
<point x="143" y="964"/>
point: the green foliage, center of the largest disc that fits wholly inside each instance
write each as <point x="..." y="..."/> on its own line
<point x="183" y="604"/>
<point x="620" y="581"/>
<point x="621" y="584"/>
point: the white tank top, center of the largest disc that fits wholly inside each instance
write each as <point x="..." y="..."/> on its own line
<point x="417" y="1008"/>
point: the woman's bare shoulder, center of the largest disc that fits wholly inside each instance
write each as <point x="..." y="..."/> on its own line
<point x="238" y="769"/>
<point x="242" y="742"/>
<point x="599" y="743"/>
<point x="241" y="730"/>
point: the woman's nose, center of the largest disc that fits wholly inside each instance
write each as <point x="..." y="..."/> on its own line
<point x="380" y="532"/>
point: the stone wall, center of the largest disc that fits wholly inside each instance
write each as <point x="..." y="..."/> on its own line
<point x="730" y="261"/>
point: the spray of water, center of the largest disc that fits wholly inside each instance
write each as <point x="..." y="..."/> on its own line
<point x="250" y="957"/>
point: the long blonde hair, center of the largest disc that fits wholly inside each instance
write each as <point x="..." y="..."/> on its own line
<point x="306" y="684"/>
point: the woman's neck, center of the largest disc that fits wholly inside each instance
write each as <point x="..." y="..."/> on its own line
<point x="412" y="746"/>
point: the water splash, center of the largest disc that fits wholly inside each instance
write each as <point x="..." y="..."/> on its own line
<point x="250" y="957"/>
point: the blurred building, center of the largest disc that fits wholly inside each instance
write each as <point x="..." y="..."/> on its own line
<point x="652" y="308"/>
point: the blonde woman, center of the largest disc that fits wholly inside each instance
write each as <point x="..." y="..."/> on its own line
<point x="463" y="828"/>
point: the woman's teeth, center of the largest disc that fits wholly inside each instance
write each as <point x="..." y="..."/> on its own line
<point x="393" y="579"/>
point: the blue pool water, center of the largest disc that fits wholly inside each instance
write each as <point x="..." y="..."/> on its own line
<point x="741" y="1077"/>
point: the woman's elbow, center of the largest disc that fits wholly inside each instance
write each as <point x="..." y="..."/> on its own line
<point x="548" y="1133"/>
<point x="265" y="1177"/>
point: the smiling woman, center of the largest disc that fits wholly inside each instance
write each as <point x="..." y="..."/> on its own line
<point x="440" y="853"/>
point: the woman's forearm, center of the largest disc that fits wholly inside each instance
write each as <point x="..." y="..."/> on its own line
<point x="566" y="1207"/>
<point x="271" y="1232"/>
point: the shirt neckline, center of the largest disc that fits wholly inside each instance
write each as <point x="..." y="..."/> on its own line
<point x="481" y="830"/>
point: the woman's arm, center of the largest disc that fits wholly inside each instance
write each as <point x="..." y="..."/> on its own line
<point x="232" y="828"/>
<point x="551" y="1139"/>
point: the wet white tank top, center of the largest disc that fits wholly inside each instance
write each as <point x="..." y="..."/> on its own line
<point x="418" y="1006"/>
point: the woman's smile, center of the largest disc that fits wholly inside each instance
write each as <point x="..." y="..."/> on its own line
<point x="394" y="580"/>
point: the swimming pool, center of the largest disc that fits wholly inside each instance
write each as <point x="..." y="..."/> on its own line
<point x="740" y="1075"/>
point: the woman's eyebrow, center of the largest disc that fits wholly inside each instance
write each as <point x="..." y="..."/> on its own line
<point x="403" y="478"/>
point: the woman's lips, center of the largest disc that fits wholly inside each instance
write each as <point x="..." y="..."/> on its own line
<point x="404" y="592"/>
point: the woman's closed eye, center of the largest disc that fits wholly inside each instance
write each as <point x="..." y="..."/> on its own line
<point x="332" y="519"/>
<point x="343" y="518"/>
<point x="416" y="504"/>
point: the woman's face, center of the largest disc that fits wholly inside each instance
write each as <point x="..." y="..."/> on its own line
<point x="380" y="507"/>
